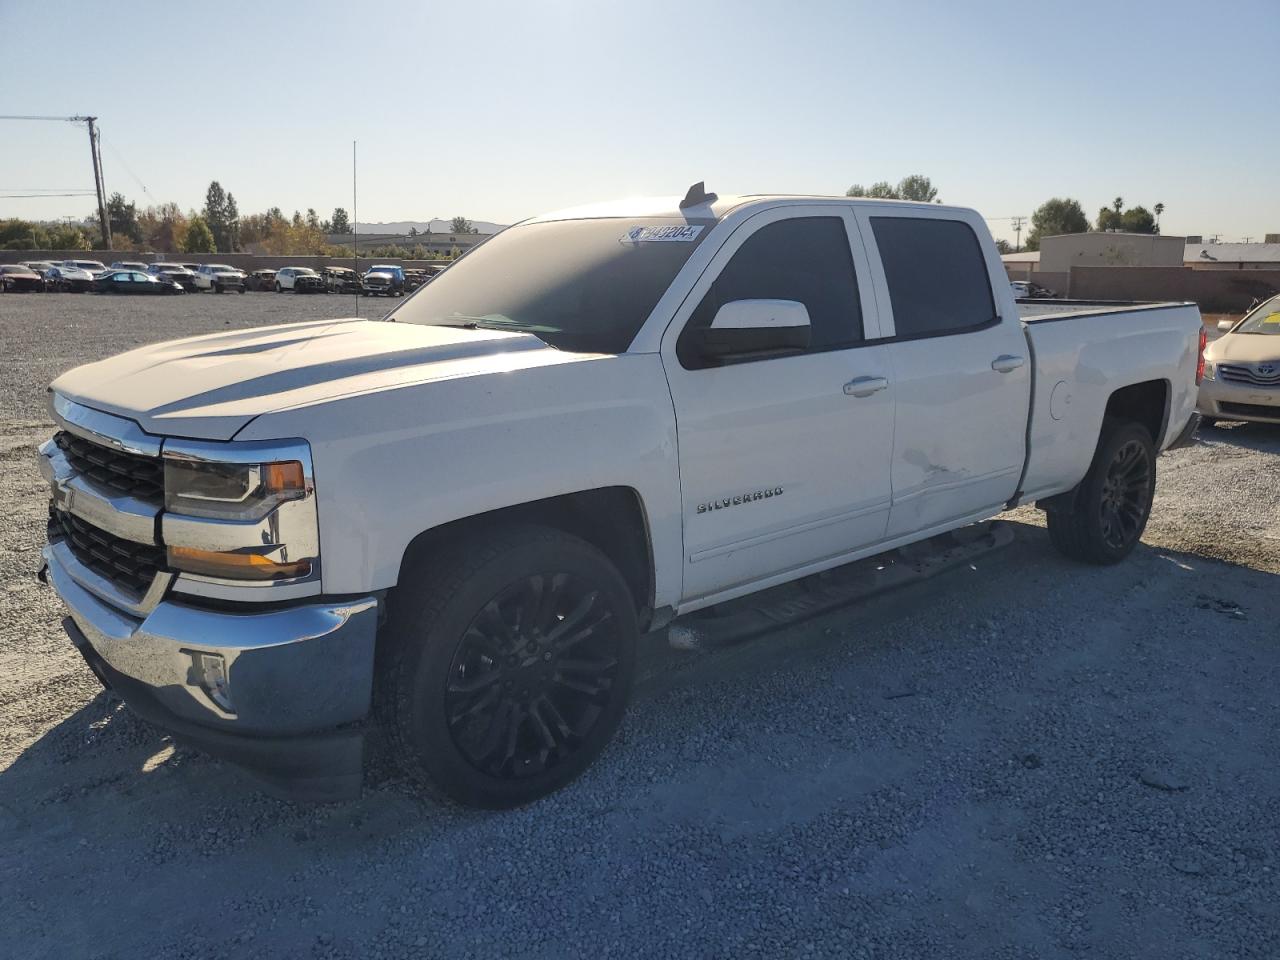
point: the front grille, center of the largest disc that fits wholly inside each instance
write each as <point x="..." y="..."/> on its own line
<point x="1239" y="374"/>
<point x="130" y="566"/>
<point x="128" y="473"/>
<point x="1250" y="410"/>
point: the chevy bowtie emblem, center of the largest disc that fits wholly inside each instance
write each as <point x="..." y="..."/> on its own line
<point x="739" y="499"/>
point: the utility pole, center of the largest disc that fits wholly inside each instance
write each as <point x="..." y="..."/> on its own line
<point x="1017" y="232"/>
<point x="96" y="150"/>
<point x="355" y="232"/>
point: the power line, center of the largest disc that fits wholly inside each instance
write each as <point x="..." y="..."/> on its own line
<point x="41" y="196"/>
<point x="127" y="168"/>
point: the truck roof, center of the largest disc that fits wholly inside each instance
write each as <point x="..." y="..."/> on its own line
<point x="717" y="209"/>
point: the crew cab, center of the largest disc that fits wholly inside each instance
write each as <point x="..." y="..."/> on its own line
<point x="454" y="523"/>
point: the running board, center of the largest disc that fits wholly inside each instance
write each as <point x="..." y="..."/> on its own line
<point x="792" y="603"/>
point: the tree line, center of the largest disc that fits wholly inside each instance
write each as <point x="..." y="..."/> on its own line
<point x="218" y="227"/>
<point x="1064" y="215"/>
<point x="1053" y="217"/>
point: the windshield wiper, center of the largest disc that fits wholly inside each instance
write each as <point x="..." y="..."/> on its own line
<point x="491" y="323"/>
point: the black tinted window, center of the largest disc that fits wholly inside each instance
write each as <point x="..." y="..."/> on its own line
<point x="806" y="259"/>
<point x="936" y="273"/>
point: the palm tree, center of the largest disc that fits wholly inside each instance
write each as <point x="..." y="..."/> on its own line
<point x="1159" y="209"/>
<point x="1118" y="204"/>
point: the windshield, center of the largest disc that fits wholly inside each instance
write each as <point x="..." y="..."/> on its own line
<point x="88" y="265"/>
<point x="1264" y="318"/>
<point x="581" y="285"/>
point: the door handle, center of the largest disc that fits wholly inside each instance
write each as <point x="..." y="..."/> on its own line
<point x="865" y="386"/>
<point x="1006" y="363"/>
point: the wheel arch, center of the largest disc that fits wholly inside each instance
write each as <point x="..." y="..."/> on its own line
<point x="612" y="519"/>
<point x="1145" y="403"/>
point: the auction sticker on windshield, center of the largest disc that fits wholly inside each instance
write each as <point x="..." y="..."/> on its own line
<point x="684" y="233"/>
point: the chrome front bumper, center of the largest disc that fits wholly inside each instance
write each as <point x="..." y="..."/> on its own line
<point x="277" y="672"/>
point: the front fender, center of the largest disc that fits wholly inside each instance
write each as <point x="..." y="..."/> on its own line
<point x="393" y="464"/>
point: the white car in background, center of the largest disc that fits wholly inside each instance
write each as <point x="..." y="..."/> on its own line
<point x="287" y="279"/>
<point x="76" y="275"/>
<point x="1242" y="368"/>
<point x="219" y="277"/>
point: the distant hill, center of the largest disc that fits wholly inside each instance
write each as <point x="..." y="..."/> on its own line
<point x="435" y="226"/>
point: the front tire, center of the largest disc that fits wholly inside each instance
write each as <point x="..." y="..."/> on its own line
<point x="508" y="664"/>
<point x="1102" y="520"/>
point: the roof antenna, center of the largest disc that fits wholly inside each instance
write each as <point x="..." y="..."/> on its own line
<point x="697" y="194"/>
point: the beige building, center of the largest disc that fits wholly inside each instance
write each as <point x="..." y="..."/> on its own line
<point x="1060" y="254"/>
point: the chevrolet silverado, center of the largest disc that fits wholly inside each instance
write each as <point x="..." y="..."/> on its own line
<point x="453" y="524"/>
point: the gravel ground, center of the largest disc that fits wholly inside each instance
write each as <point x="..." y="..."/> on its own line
<point x="1022" y="758"/>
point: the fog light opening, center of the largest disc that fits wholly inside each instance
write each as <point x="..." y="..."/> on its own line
<point x="209" y="673"/>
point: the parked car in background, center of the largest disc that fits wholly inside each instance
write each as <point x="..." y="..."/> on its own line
<point x="260" y="280"/>
<point x="135" y="282"/>
<point x="413" y="279"/>
<point x="340" y="280"/>
<point x="1030" y="290"/>
<point x="41" y="267"/>
<point x="193" y="267"/>
<point x="19" y="278"/>
<point x="129" y="265"/>
<point x="383" y="279"/>
<point x="219" y="277"/>
<point x="70" y="277"/>
<point x="1242" y="368"/>
<point x="287" y="279"/>
<point x="94" y="268"/>
<point x="175" y="272"/>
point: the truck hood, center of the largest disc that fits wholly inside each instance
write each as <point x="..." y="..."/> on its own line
<point x="211" y="387"/>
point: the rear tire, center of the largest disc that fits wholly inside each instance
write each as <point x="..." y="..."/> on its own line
<point x="1102" y="520"/>
<point x="507" y="664"/>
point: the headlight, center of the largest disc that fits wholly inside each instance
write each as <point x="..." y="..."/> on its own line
<point x="239" y="520"/>
<point x="231" y="491"/>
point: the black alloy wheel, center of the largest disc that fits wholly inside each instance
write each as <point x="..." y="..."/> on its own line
<point x="507" y="664"/>
<point x="1126" y="495"/>
<point x="1103" y="518"/>
<point x="534" y="672"/>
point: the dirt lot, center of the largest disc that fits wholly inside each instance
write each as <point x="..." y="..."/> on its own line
<point x="1023" y="758"/>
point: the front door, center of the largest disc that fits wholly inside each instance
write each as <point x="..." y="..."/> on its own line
<point x="784" y="461"/>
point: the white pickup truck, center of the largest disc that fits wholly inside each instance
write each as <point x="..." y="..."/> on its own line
<point x="455" y="522"/>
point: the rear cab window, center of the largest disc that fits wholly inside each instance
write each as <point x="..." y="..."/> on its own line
<point x="936" y="274"/>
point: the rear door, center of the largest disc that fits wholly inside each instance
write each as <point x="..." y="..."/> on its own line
<point x="962" y="371"/>
<point x="781" y="467"/>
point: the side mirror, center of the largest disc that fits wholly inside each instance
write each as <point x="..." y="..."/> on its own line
<point x="756" y="328"/>
<point x="1225" y="325"/>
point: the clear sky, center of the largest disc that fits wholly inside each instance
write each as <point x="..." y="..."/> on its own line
<point x="499" y="110"/>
